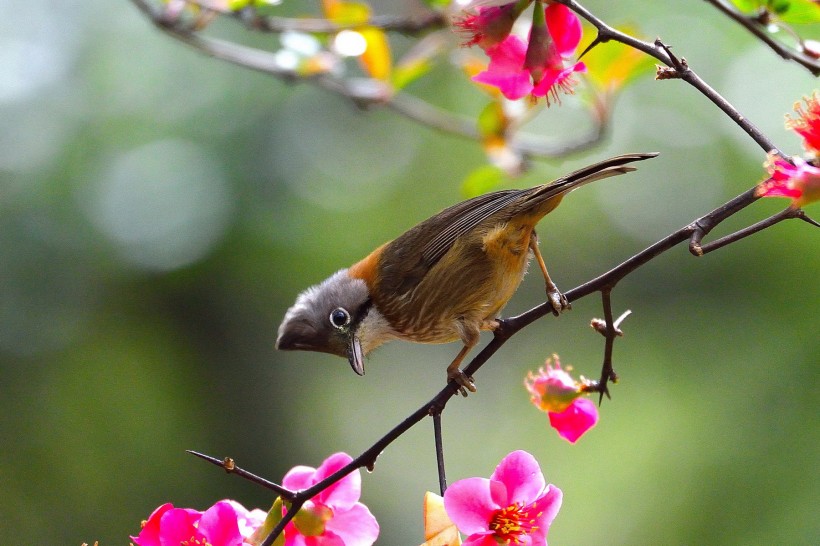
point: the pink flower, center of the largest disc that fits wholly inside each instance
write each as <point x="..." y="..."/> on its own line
<point x="799" y="181"/>
<point x="334" y="517"/>
<point x="807" y="122"/>
<point x="489" y="25"/>
<point x="226" y="523"/>
<point x="514" y="506"/>
<point x="536" y="68"/>
<point x="554" y="391"/>
<point x="573" y="422"/>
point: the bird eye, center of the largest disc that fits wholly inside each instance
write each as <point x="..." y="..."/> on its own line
<point x="339" y="317"/>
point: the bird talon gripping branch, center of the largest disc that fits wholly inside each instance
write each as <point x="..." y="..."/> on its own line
<point x="444" y="280"/>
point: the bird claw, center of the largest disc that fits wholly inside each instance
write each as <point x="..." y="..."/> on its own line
<point x="558" y="301"/>
<point x="464" y="381"/>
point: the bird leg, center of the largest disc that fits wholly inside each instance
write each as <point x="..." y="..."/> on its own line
<point x="556" y="298"/>
<point x="454" y="373"/>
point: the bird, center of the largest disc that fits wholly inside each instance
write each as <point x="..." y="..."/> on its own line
<point x="444" y="280"/>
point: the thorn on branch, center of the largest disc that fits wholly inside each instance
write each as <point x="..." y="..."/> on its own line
<point x="677" y="66"/>
<point x="229" y="465"/>
<point x="805" y="217"/>
<point x="599" y="39"/>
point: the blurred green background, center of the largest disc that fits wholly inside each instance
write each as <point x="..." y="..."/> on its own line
<point x="161" y="210"/>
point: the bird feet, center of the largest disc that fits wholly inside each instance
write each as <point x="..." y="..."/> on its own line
<point x="464" y="381"/>
<point x="558" y="301"/>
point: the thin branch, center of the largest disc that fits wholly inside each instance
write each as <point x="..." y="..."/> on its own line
<point x="662" y="53"/>
<point x="759" y="31"/>
<point x="409" y="25"/>
<point x="786" y="214"/>
<point x="230" y="467"/>
<point x="607" y="371"/>
<point x="442" y="478"/>
<point x="363" y="92"/>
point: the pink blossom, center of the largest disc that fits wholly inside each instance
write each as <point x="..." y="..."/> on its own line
<point x="226" y="523"/>
<point x="537" y="67"/>
<point x="334" y="517"/>
<point x="800" y="181"/>
<point x="489" y="25"/>
<point x="554" y="391"/>
<point x="573" y="422"/>
<point x="807" y="122"/>
<point x="514" y="506"/>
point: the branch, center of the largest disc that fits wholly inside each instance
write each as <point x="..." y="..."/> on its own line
<point x="230" y="467"/>
<point x="389" y="23"/>
<point x="680" y="69"/>
<point x="786" y="214"/>
<point x="754" y="26"/>
<point x="363" y="92"/>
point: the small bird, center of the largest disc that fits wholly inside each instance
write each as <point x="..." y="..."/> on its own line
<point x="446" y="279"/>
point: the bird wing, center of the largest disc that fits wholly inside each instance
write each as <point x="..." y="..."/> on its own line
<point x="436" y="235"/>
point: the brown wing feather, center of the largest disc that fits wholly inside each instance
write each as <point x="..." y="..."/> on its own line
<point x="420" y="248"/>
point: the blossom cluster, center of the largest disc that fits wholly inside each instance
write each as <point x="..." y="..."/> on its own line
<point x="334" y="517"/>
<point x="515" y="505"/>
<point x="796" y="178"/>
<point x="539" y="66"/>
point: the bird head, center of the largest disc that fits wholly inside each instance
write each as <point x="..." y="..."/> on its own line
<point x="327" y="318"/>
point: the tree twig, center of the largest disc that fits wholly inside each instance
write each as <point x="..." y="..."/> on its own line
<point x="662" y="52"/>
<point x="759" y="31"/>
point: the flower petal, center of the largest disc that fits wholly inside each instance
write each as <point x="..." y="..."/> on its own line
<point x="470" y="505"/>
<point x="513" y="87"/>
<point x="356" y="527"/>
<point x="521" y="476"/>
<point x="555" y="79"/>
<point x="550" y="504"/>
<point x="327" y="539"/>
<point x="178" y="525"/>
<point x="299" y="477"/>
<point x="343" y="494"/>
<point x="481" y="540"/>
<point x="565" y="28"/>
<point x="219" y="525"/>
<point x="574" y="421"/>
<point x="508" y="56"/>
<point x="149" y="535"/>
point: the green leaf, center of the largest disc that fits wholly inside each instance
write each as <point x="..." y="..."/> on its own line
<point x="748" y="6"/>
<point x="491" y="120"/>
<point x="779" y="6"/>
<point x="409" y="72"/>
<point x="482" y="180"/>
<point x="347" y="13"/>
<point x="611" y="66"/>
<point x="271" y="520"/>
<point x="800" y="12"/>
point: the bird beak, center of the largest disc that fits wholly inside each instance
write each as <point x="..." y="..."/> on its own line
<point x="355" y="355"/>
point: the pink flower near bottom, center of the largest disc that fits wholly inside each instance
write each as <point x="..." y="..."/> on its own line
<point x="514" y="506"/>
<point x="800" y="181"/>
<point x="226" y="523"/>
<point x="334" y="517"/>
